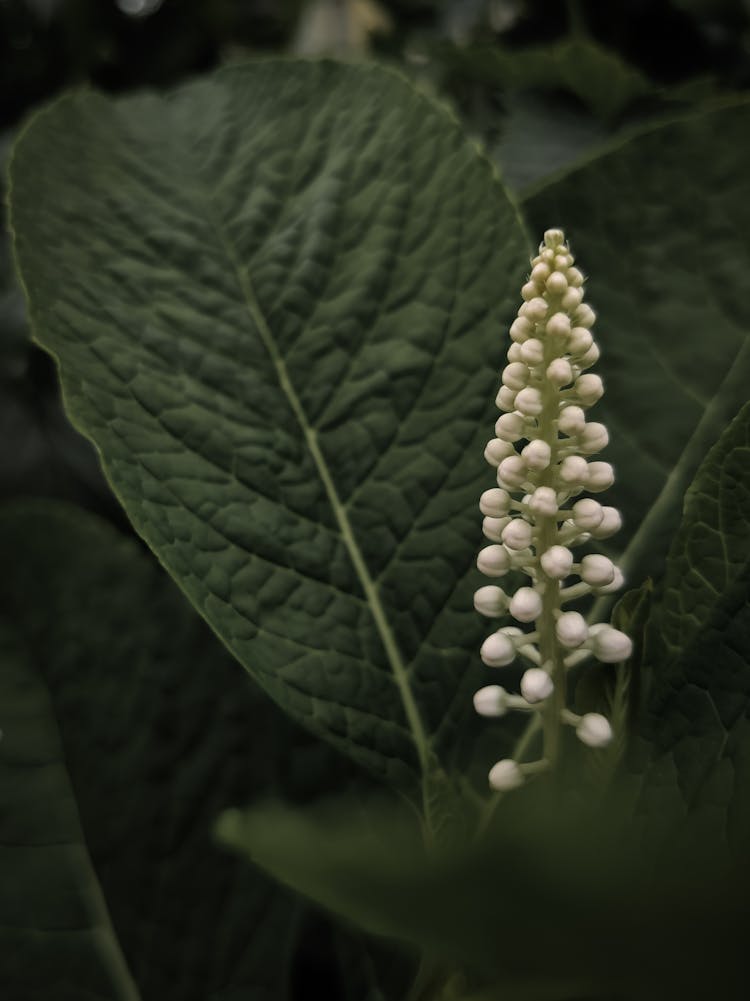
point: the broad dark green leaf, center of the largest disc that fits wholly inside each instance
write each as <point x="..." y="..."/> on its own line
<point x="697" y="650"/>
<point x="660" y="222"/>
<point x="277" y="297"/>
<point x="562" y="899"/>
<point x="127" y="728"/>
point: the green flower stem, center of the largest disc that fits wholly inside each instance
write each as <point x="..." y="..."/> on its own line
<point x="549" y="647"/>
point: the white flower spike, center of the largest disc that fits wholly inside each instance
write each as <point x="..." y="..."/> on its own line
<point x="543" y="453"/>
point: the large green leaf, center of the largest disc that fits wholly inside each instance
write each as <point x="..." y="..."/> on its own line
<point x="127" y="728"/>
<point x="661" y="222"/>
<point x="277" y="297"/>
<point x="697" y="650"/>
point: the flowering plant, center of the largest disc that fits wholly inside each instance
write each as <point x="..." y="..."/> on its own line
<point x="278" y="300"/>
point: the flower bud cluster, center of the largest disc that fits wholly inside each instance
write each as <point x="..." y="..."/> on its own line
<point x="536" y="516"/>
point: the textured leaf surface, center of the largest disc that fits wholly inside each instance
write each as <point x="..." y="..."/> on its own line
<point x="697" y="650"/>
<point x="670" y="285"/>
<point x="277" y="297"/>
<point x="127" y="727"/>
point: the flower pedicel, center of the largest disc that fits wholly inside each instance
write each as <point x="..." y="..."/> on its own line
<point x="542" y="452"/>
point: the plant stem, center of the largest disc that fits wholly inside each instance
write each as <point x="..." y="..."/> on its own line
<point x="547" y="536"/>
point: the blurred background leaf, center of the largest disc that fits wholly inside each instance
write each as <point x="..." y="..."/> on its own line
<point x="127" y="728"/>
<point x="563" y="898"/>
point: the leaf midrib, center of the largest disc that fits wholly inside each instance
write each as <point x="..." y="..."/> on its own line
<point x="393" y="654"/>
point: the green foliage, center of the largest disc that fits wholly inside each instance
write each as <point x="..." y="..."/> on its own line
<point x="126" y="729"/>
<point x="697" y="651"/>
<point x="541" y="908"/>
<point x="283" y="342"/>
<point x="597" y="77"/>
<point x="276" y="299"/>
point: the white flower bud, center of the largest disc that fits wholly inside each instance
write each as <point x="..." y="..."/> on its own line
<point x="601" y="476"/>
<point x="516" y="375"/>
<point x="575" y="277"/>
<point x="491" y="601"/>
<point x="584" y="316"/>
<point x="589" y="388"/>
<point x="514" y="352"/>
<point x="571" y="629"/>
<point x="559" y="372"/>
<point x="540" y="273"/>
<point x="491" y="701"/>
<point x="534" y="310"/>
<point x="597" y="570"/>
<point x="496" y="450"/>
<point x="521" y="329"/>
<point x="553" y="238"/>
<point x="537" y="454"/>
<point x="610" y="524"/>
<point x="590" y="357"/>
<point x="594" y="730"/>
<point x="532" y="351"/>
<point x="492" y="528"/>
<point x="498" y="650"/>
<point x="587" y="514"/>
<point x="615" y="585"/>
<point x="505" y="776"/>
<point x="505" y="399"/>
<point x="610" y="645"/>
<point x="493" y="561"/>
<point x="557" y="283"/>
<point x="495" y="503"/>
<point x="536" y="685"/>
<point x="512" y="472"/>
<point x="529" y="402"/>
<point x="510" y="427"/>
<point x="543" y="501"/>
<point x="557" y="562"/>
<point x="517" y="534"/>
<point x="593" y="438"/>
<point x="529" y="290"/>
<point x="572" y="298"/>
<point x="558" y="325"/>
<point x="572" y="420"/>
<point x="526" y="605"/>
<point x="574" y="471"/>
<point x="579" y="341"/>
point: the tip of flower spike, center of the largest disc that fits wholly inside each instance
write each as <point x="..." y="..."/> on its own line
<point x="553" y="238"/>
